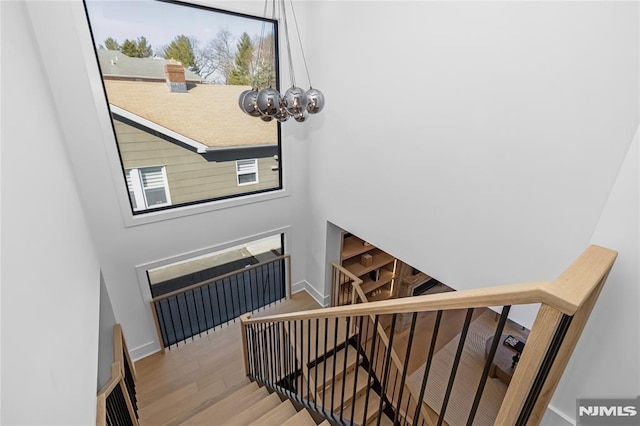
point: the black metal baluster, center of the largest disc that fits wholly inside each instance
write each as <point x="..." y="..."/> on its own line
<point x="186" y="304"/>
<point x="224" y="298"/>
<point x="395" y="383"/>
<point x="456" y="362"/>
<point x="387" y="367"/>
<point x="315" y="380"/>
<point x="264" y="300"/>
<point x="211" y="308"/>
<point x="406" y="365"/>
<point x="181" y="322"/>
<point x="308" y="358"/>
<point x="244" y="292"/>
<point x="232" y="299"/>
<point x="333" y="382"/>
<point x="374" y="335"/>
<point x="204" y="311"/>
<point x="195" y="307"/>
<point x="487" y="364"/>
<point x="324" y="374"/>
<point x="427" y="367"/>
<point x="344" y="367"/>
<point x="215" y="285"/>
<point x="357" y="368"/>
<point x="296" y="351"/>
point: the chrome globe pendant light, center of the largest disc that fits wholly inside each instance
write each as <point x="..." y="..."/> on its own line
<point x="267" y="103"/>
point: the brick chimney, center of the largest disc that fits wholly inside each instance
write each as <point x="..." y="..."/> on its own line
<point x="174" y="74"/>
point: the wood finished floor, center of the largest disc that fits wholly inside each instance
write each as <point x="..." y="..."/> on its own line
<point x="187" y="378"/>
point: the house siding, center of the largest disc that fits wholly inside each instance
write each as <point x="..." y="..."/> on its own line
<point x="190" y="176"/>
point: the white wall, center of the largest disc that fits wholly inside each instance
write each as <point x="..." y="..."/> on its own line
<point x="50" y="272"/>
<point x="479" y="142"/>
<point x="65" y="45"/>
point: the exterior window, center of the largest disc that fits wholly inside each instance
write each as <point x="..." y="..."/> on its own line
<point x="148" y="187"/>
<point x="247" y="171"/>
<point x="161" y="100"/>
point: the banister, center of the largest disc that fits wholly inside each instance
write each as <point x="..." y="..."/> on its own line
<point x="222" y="277"/>
<point x="566" y="294"/>
<point x="347" y="272"/>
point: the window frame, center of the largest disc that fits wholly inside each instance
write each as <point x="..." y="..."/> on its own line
<point x="167" y="211"/>
<point x="254" y="170"/>
<point x="137" y="187"/>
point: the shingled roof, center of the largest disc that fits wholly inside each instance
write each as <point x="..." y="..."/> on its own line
<point x="114" y="64"/>
<point x="207" y="113"/>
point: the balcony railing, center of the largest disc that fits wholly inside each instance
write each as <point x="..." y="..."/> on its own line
<point x="189" y="312"/>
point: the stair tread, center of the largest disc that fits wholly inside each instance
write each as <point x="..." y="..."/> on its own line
<point x="372" y="408"/>
<point x="277" y="416"/>
<point x="190" y="406"/>
<point x="303" y="418"/>
<point x="159" y="404"/>
<point x="226" y="407"/>
<point x="349" y="381"/>
<point x="313" y="332"/>
<point x="338" y="359"/>
<point x="252" y="412"/>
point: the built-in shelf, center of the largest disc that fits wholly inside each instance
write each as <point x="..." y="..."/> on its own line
<point x="353" y="246"/>
<point x="351" y="258"/>
<point x="368" y="285"/>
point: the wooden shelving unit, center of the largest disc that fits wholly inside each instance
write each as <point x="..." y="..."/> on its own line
<point x="378" y="276"/>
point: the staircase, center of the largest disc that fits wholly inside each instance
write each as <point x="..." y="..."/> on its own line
<point x="339" y="366"/>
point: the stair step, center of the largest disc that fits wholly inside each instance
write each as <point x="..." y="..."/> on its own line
<point x="338" y="359"/>
<point x="228" y="406"/>
<point x="303" y="418"/>
<point x="372" y="408"/>
<point x="312" y="333"/>
<point x="252" y="412"/>
<point x="349" y="380"/>
<point x="158" y="405"/>
<point x="181" y="410"/>
<point x="325" y="423"/>
<point x="277" y="416"/>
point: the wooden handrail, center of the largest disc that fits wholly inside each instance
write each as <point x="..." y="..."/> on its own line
<point x="566" y="294"/>
<point x="223" y="276"/>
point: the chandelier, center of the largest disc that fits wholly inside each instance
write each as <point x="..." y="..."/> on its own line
<point x="267" y="103"/>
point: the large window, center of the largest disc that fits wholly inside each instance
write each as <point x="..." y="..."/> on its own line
<point x="172" y="89"/>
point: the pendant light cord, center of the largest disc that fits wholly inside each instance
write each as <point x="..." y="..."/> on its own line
<point x="304" y="59"/>
<point x="292" y="74"/>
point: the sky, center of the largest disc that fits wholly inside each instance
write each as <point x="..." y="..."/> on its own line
<point x="160" y="22"/>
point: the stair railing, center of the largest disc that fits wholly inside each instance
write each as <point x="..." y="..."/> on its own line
<point x="189" y="312"/>
<point x="399" y="386"/>
<point x="341" y="358"/>
<point x="116" y="400"/>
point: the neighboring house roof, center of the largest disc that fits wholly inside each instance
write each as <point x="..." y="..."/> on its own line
<point x="114" y="64"/>
<point x="207" y="113"/>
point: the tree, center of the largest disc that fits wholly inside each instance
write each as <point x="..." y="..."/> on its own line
<point x="181" y="49"/>
<point x="215" y="61"/>
<point x="137" y="49"/>
<point x="129" y="48"/>
<point x="111" y="44"/>
<point x="265" y="66"/>
<point x="144" y="49"/>
<point x="241" y="73"/>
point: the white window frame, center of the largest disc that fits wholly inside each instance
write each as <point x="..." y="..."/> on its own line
<point x="139" y="194"/>
<point x="252" y="170"/>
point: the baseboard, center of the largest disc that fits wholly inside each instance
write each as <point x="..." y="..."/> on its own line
<point x="555" y="417"/>
<point x="143" y="351"/>
<point x="304" y="285"/>
<point x="298" y="287"/>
